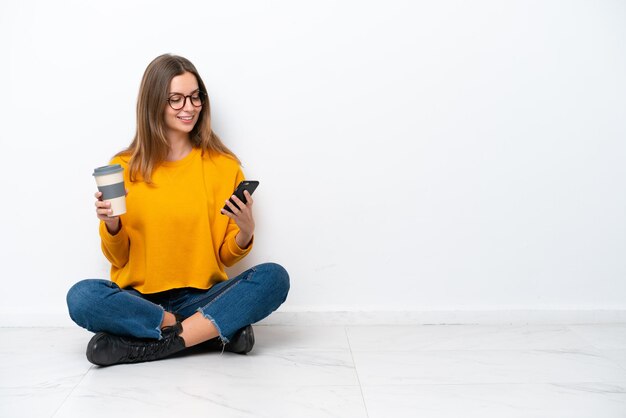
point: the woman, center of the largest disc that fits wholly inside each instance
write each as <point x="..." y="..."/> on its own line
<point x="169" y="290"/>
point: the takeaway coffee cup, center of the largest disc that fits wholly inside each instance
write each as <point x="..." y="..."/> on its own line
<point x="110" y="181"/>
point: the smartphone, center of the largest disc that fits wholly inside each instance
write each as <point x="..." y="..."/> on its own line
<point x="249" y="185"/>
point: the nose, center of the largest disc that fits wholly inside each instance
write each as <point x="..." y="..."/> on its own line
<point x="188" y="106"/>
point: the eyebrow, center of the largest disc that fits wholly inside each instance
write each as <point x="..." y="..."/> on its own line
<point x="183" y="94"/>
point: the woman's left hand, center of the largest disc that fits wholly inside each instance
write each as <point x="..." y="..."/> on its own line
<point x="242" y="216"/>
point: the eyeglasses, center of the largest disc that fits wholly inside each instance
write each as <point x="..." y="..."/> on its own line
<point x="178" y="101"/>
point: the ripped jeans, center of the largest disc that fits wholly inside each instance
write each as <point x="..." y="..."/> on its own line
<point x="101" y="305"/>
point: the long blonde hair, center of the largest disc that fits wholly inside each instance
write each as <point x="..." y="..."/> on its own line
<point x="150" y="147"/>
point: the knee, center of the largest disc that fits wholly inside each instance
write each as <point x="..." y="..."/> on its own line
<point x="278" y="277"/>
<point x="81" y="297"/>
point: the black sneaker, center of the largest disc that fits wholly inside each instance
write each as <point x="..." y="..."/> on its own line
<point x="106" y="349"/>
<point x="241" y="343"/>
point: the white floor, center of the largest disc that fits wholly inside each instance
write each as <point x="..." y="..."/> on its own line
<point x="397" y="371"/>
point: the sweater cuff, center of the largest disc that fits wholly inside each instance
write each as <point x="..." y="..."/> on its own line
<point x="236" y="250"/>
<point x="106" y="236"/>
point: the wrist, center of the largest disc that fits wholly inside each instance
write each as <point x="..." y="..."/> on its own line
<point x="113" y="227"/>
<point x="243" y="240"/>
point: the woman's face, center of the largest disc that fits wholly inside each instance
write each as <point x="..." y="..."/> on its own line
<point x="183" y="120"/>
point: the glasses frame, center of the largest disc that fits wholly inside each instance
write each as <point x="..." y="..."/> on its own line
<point x="199" y="93"/>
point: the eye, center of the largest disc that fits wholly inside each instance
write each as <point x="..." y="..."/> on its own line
<point x="177" y="98"/>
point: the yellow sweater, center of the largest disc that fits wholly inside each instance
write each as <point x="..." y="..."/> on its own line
<point x="173" y="234"/>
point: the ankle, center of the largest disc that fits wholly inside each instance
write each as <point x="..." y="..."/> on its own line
<point x="197" y="329"/>
<point x="169" y="319"/>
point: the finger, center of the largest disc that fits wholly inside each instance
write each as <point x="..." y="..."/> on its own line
<point x="233" y="207"/>
<point x="239" y="202"/>
<point x="108" y="215"/>
<point x="248" y="198"/>
<point x="227" y="213"/>
<point x="104" y="213"/>
<point x="98" y="195"/>
<point x="102" y="204"/>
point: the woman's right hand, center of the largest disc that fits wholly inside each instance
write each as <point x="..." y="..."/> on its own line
<point x="103" y="209"/>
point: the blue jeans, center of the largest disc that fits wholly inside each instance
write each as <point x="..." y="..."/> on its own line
<point x="101" y="305"/>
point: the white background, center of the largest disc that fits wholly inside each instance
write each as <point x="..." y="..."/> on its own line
<point x="413" y="155"/>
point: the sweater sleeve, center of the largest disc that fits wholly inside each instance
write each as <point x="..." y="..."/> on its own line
<point x="116" y="247"/>
<point x="230" y="252"/>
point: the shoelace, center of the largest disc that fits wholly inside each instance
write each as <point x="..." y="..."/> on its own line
<point x="149" y="350"/>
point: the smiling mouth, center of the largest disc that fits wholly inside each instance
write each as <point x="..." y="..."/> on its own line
<point x="185" y="118"/>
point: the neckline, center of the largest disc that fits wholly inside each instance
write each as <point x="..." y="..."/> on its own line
<point x="183" y="160"/>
